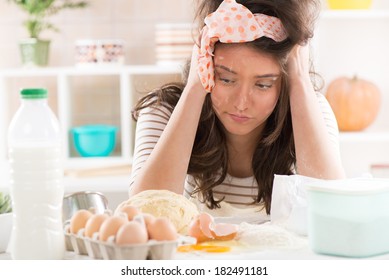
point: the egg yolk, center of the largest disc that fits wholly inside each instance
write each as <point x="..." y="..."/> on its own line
<point x="203" y="248"/>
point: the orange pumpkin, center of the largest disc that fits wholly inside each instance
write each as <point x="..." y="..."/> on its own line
<point x="355" y="102"/>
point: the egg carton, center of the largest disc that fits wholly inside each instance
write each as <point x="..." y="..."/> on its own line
<point x="108" y="250"/>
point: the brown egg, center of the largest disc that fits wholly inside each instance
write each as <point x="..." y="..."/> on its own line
<point x="79" y="220"/>
<point x="162" y="229"/>
<point x="131" y="233"/>
<point x="94" y="223"/>
<point x="148" y="218"/>
<point x="130" y="210"/>
<point x="110" y="227"/>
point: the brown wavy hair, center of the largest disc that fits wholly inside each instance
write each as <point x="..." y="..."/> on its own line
<point x="275" y="152"/>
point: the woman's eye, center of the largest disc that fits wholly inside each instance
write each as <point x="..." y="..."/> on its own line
<point x="226" y="81"/>
<point x="264" y="86"/>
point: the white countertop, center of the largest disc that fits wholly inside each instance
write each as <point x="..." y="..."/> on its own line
<point x="301" y="254"/>
<point x="116" y="188"/>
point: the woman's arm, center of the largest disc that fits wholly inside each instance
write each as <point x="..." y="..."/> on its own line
<point x="316" y="154"/>
<point x="166" y="166"/>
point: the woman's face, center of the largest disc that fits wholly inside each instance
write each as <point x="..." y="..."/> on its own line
<point x="247" y="86"/>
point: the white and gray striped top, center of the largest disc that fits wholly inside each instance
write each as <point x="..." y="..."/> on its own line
<point x="239" y="192"/>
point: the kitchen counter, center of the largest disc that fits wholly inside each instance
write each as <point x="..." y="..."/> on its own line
<point x="300" y="254"/>
<point x="115" y="188"/>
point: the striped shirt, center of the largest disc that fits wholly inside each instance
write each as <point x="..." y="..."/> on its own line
<point x="237" y="192"/>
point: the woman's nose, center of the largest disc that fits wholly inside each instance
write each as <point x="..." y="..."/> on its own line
<point x="242" y="98"/>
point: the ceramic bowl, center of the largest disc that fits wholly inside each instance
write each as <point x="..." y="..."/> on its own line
<point x="94" y="140"/>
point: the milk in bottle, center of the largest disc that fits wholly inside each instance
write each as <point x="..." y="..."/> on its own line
<point x="35" y="160"/>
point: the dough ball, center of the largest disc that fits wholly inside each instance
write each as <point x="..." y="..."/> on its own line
<point x="162" y="203"/>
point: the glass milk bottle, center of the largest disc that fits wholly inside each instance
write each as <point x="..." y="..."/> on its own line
<point x="35" y="159"/>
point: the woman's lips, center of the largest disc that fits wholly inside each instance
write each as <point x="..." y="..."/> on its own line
<point x="239" y="118"/>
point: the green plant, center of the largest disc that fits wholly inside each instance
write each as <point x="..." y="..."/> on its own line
<point x="5" y="203"/>
<point x="38" y="11"/>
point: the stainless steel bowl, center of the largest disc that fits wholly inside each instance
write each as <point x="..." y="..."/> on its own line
<point x="83" y="200"/>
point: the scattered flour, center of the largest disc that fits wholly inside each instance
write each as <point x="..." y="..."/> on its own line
<point x="269" y="236"/>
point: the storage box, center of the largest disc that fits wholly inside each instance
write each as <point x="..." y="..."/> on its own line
<point x="99" y="52"/>
<point x="174" y="42"/>
<point x="349" y="217"/>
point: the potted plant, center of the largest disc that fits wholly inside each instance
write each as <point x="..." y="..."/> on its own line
<point x="35" y="50"/>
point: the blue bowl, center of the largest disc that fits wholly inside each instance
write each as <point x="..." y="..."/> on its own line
<point x="94" y="140"/>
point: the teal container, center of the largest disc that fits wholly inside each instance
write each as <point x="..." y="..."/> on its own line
<point x="349" y="218"/>
<point x="94" y="140"/>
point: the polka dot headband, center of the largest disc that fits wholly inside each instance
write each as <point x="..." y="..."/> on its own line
<point x="233" y="23"/>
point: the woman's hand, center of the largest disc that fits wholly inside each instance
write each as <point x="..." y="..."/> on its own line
<point x="299" y="62"/>
<point x="193" y="82"/>
<point x="315" y="138"/>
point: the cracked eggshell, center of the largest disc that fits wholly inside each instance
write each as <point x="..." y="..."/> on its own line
<point x="204" y="228"/>
<point x="224" y="231"/>
<point x="199" y="227"/>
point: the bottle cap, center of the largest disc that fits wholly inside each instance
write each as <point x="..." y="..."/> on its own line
<point x="34" y="93"/>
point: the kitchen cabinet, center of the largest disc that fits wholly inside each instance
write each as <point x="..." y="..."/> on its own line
<point x="348" y="43"/>
<point x="73" y="90"/>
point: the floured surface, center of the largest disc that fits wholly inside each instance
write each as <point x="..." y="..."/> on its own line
<point x="254" y="239"/>
<point x="269" y="236"/>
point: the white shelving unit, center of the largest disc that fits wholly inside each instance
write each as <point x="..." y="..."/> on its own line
<point x="349" y="42"/>
<point x="364" y="137"/>
<point x="62" y="77"/>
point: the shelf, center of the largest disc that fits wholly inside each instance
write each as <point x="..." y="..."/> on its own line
<point x="94" y="162"/>
<point x="61" y="78"/>
<point x="363" y="137"/>
<point x="87" y="70"/>
<point x="354" y="14"/>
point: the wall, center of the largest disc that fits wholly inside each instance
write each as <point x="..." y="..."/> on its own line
<point x="130" y="20"/>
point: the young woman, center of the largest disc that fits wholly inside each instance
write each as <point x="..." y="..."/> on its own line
<point x="246" y="111"/>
